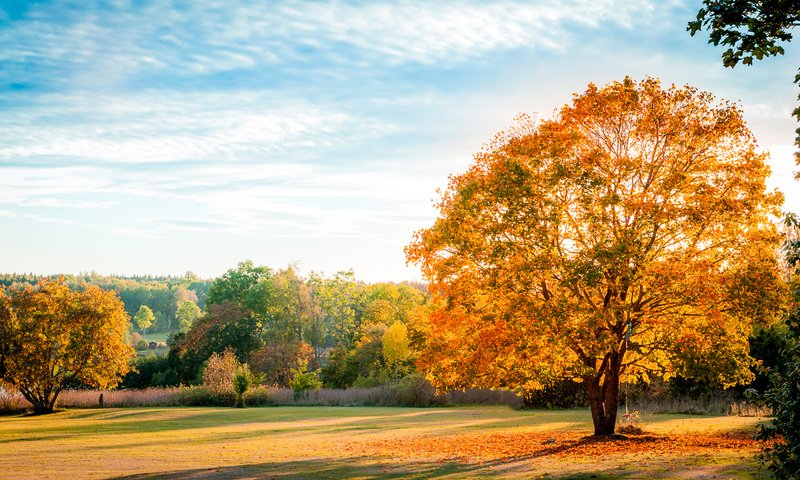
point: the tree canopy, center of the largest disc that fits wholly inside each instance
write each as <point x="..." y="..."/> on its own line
<point x="629" y="236"/>
<point x="50" y="334"/>
<point x="751" y="29"/>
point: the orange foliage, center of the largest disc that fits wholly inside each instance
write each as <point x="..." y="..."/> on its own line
<point x="50" y="334"/>
<point x="630" y="236"/>
<point x="508" y="446"/>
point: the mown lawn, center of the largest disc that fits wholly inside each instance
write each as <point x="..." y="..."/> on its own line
<point x="365" y="442"/>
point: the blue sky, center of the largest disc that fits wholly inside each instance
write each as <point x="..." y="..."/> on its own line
<point x="161" y="136"/>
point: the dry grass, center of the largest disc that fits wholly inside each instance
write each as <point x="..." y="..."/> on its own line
<point x="11" y="401"/>
<point x="261" y="396"/>
<point x="146" y="397"/>
<point x="362" y="442"/>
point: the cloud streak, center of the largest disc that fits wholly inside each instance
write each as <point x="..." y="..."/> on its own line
<point x="106" y="45"/>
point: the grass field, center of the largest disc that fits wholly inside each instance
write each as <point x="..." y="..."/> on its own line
<point x="366" y="442"/>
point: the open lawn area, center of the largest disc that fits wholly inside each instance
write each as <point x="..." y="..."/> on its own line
<point x="366" y="442"/>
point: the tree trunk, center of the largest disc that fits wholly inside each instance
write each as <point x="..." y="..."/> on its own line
<point x="41" y="403"/>
<point x="604" y="397"/>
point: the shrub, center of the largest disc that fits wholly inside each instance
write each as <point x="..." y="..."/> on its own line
<point x="304" y="381"/>
<point x="198" y="396"/>
<point x="150" y="371"/>
<point x="220" y="370"/>
<point x="415" y="391"/>
<point x="259" y="396"/>
<point x="242" y="380"/>
<point x="135" y="338"/>
<point x="783" y="396"/>
<point x="141" y="344"/>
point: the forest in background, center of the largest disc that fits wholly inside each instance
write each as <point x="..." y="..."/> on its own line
<point x="272" y="319"/>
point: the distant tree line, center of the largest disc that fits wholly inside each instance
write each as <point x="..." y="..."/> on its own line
<point x="162" y="295"/>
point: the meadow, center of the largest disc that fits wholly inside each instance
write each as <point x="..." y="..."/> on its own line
<point x="366" y="443"/>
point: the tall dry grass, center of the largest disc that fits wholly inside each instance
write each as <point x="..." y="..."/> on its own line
<point x="12" y="401"/>
<point x="412" y="394"/>
<point x="146" y="397"/>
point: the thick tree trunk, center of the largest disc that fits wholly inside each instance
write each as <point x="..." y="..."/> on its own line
<point x="41" y="402"/>
<point x="604" y="397"/>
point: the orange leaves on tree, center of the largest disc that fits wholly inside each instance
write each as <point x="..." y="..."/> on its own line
<point x="631" y="235"/>
<point x="50" y="334"/>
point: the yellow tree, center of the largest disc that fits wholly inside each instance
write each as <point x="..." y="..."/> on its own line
<point x="50" y="334"/>
<point x="396" y="346"/>
<point x="629" y="236"/>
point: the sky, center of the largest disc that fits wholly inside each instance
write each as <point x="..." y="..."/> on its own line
<point x="166" y="136"/>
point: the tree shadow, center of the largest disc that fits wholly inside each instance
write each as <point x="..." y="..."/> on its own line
<point x="360" y="467"/>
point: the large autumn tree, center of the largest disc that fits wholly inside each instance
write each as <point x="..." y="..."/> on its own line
<point x="629" y="236"/>
<point x="50" y="334"/>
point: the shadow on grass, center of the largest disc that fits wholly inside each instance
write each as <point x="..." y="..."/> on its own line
<point x="372" y="468"/>
<point x="362" y="468"/>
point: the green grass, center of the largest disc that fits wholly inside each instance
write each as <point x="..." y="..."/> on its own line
<point x="156" y="337"/>
<point x="329" y="442"/>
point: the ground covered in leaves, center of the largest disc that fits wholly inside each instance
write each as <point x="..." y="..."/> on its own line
<point x="367" y="443"/>
<point x="509" y="446"/>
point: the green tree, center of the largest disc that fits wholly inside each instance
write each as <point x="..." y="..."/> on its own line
<point x="236" y="285"/>
<point x="751" y="29"/>
<point x="782" y="453"/>
<point x="144" y="318"/>
<point x="243" y="379"/>
<point x="221" y="327"/>
<point x="342" y="301"/>
<point x="304" y="381"/>
<point x="51" y="335"/>
<point x="186" y="313"/>
<point x="628" y="237"/>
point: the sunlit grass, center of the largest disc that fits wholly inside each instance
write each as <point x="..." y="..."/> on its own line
<point x="339" y="442"/>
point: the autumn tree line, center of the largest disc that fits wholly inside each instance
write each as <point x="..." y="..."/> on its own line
<point x="350" y="332"/>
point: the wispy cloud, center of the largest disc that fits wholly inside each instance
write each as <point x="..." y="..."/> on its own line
<point x="107" y="43"/>
<point x="168" y="127"/>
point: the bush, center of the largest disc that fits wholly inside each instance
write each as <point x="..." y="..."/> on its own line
<point x="243" y="379"/>
<point x="135" y="338"/>
<point x="220" y="370"/>
<point x="259" y="396"/>
<point x="303" y="381"/>
<point x="150" y="371"/>
<point x="415" y="391"/>
<point x="204" y="397"/>
<point x="141" y="344"/>
<point x="783" y="396"/>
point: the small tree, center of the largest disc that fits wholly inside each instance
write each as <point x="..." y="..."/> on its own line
<point x="304" y="381"/>
<point x="144" y="318"/>
<point x="396" y="346"/>
<point x="243" y="379"/>
<point x="50" y="335"/>
<point x="220" y="371"/>
<point x="186" y="313"/>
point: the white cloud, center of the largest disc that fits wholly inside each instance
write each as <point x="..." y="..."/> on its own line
<point x="168" y="127"/>
<point x="107" y="44"/>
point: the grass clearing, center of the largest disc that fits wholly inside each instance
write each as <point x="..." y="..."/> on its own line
<point x="366" y="442"/>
